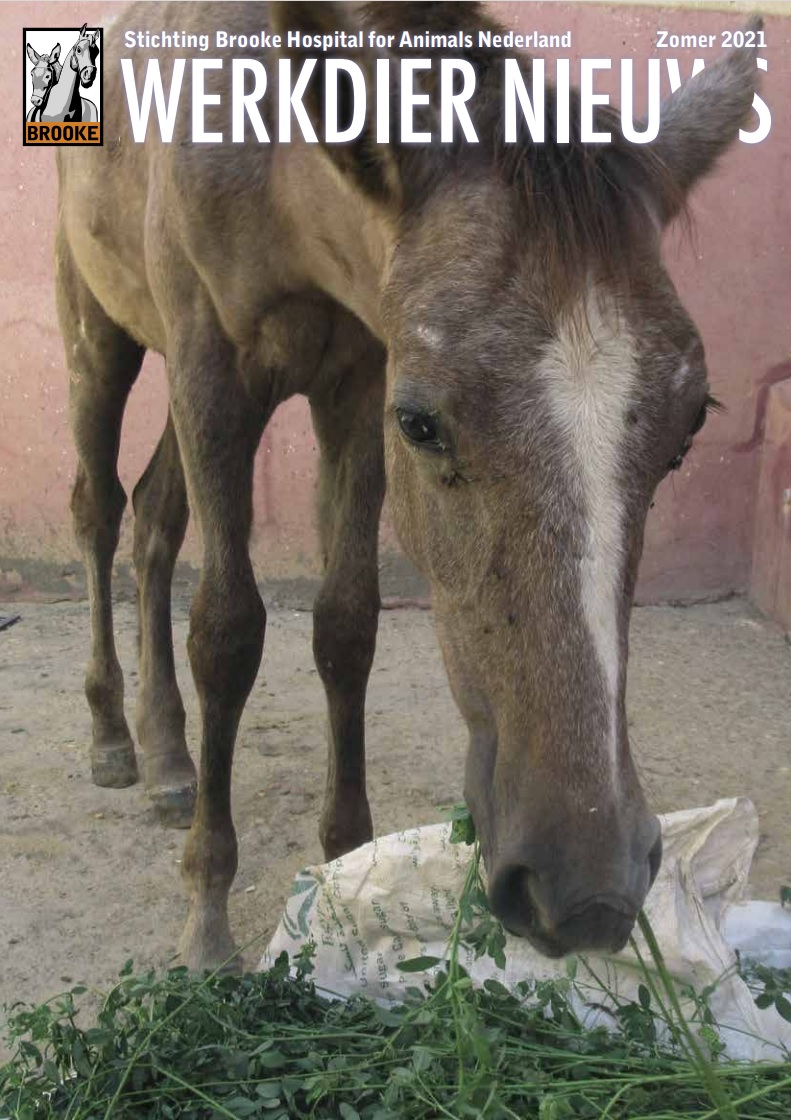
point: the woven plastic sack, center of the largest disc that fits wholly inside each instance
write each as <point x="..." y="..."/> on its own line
<point x="395" y="899"/>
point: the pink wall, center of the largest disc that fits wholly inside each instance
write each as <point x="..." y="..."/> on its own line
<point x="735" y="278"/>
<point x="770" y="578"/>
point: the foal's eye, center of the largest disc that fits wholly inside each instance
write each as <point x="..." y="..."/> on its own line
<point x="700" y="419"/>
<point x="677" y="461"/>
<point x="709" y="405"/>
<point x="419" y="427"/>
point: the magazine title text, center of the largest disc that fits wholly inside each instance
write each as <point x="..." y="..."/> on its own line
<point x="397" y="97"/>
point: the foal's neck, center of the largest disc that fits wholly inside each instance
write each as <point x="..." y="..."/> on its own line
<point x="345" y="244"/>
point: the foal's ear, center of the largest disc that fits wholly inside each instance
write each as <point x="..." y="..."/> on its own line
<point x="370" y="165"/>
<point x="54" y="54"/>
<point x="83" y="29"/>
<point x="32" y="55"/>
<point x="703" y="117"/>
<point x="94" y="38"/>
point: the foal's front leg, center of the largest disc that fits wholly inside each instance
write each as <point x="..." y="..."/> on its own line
<point x="218" y="428"/>
<point x="348" y="424"/>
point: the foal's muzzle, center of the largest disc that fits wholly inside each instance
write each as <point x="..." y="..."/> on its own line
<point x="87" y="75"/>
<point x="558" y="917"/>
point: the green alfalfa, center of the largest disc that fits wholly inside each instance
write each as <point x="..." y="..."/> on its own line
<point x="179" y="1047"/>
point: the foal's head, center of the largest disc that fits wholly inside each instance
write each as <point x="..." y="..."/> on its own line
<point x="543" y="377"/>
<point x="530" y="418"/>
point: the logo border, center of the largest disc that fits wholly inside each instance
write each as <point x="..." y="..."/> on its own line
<point x="55" y="143"/>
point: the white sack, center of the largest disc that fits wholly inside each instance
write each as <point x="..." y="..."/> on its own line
<point x="395" y="899"/>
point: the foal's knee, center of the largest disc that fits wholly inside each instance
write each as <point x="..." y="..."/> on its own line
<point x="344" y="636"/>
<point x="226" y="639"/>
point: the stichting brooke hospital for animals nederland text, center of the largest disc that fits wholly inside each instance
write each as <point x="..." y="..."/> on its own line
<point x="524" y="96"/>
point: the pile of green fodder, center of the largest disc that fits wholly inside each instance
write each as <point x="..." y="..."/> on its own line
<point x="265" y="1045"/>
<point x="269" y="1045"/>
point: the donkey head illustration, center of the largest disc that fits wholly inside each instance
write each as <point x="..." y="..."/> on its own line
<point x="45" y="74"/>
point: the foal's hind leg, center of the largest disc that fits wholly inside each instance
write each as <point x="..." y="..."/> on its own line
<point x="103" y="364"/>
<point x="348" y="423"/>
<point x="161" y="514"/>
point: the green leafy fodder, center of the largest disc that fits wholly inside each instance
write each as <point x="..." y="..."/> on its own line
<point x="266" y="1045"/>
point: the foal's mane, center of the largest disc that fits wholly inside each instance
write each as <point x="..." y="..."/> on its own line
<point x="586" y="203"/>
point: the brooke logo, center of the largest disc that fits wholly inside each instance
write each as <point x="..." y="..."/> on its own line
<point x="63" y="85"/>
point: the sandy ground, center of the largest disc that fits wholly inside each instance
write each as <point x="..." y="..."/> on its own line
<point x="88" y="878"/>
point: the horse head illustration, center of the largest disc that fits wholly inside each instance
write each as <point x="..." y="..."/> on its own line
<point x="83" y="56"/>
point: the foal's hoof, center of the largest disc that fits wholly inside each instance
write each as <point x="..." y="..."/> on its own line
<point x="113" y="765"/>
<point x="174" y="806"/>
<point x="172" y="786"/>
<point x="339" y="836"/>
<point x="206" y="944"/>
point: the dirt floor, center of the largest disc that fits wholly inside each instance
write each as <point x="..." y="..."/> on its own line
<point x="88" y="878"/>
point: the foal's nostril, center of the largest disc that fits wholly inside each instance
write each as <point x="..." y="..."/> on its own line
<point x="561" y="914"/>
<point x="603" y="925"/>
<point x="509" y="898"/>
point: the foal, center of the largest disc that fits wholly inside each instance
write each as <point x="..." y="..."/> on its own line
<point x="488" y="326"/>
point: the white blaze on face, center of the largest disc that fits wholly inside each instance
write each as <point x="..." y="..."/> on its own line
<point x="589" y="370"/>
